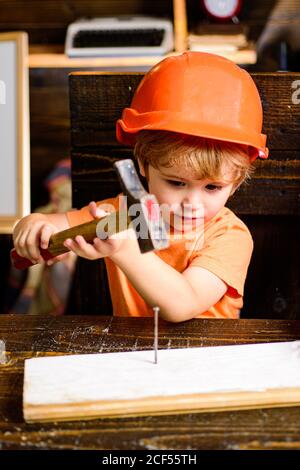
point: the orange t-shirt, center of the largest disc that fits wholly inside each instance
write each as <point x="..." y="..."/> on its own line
<point x="224" y="247"/>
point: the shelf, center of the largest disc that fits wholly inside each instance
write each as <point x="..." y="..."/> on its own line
<point x="51" y="58"/>
<point x="54" y="57"/>
<point x="62" y="61"/>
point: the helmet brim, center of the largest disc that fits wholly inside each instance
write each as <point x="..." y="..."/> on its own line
<point x="164" y="122"/>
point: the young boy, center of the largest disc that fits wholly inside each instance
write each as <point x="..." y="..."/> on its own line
<point x="195" y="124"/>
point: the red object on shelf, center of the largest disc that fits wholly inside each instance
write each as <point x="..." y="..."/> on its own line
<point x="221" y="10"/>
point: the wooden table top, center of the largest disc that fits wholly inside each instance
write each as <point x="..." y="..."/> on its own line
<point x="23" y="337"/>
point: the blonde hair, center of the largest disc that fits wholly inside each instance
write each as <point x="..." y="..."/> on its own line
<point x="204" y="157"/>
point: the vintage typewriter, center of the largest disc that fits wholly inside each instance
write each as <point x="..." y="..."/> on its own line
<point x="119" y="36"/>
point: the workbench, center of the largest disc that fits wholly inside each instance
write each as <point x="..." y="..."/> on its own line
<point x="23" y="337"/>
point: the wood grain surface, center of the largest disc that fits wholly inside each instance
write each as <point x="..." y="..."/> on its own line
<point x="25" y="337"/>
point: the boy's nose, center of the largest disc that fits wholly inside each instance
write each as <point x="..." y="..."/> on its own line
<point x="193" y="197"/>
<point x="192" y="205"/>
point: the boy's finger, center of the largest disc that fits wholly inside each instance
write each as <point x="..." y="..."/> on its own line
<point x="95" y="211"/>
<point x="20" y="244"/>
<point x="45" y="235"/>
<point x="93" y="208"/>
<point x="101" y="213"/>
<point x="123" y="202"/>
<point x="32" y="245"/>
<point x="81" y="247"/>
<point x="58" y="258"/>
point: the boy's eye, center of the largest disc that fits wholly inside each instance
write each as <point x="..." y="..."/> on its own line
<point x="213" y="187"/>
<point x="176" y="183"/>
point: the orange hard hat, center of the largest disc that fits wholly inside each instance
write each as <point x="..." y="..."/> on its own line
<point x="199" y="94"/>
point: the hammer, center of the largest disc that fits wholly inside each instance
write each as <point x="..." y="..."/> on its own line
<point x="154" y="236"/>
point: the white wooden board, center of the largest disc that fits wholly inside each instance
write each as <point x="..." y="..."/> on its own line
<point x="14" y="129"/>
<point x="129" y="383"/>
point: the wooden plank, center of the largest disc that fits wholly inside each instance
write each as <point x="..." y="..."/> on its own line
<point x="60" y="60"/>
<point x="184" y="380"/>
<point x="35" y="336"/>
<point x="280" y="100"/>
<point x="274" y="180"/>
<point x="180" y="25"/>
<point x="97" y="100"/>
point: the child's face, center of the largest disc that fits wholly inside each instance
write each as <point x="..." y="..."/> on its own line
<point x="191" y="201"/>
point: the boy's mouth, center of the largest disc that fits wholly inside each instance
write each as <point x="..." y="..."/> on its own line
<point x="181" y="221"/>
<point x="189" y="217"/>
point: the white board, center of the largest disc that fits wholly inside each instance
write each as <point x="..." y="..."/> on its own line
<point x="116" y="384"/>
<point x="14" y="130"/>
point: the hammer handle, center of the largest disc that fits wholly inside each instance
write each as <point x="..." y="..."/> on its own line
<point x="113" y="223"/>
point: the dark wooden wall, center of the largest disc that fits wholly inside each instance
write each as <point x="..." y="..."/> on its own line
<point x="49" y="126"/>
<point x="270" y="204"/>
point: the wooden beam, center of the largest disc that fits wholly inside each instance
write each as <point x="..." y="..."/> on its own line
<point x="180" y="25"/>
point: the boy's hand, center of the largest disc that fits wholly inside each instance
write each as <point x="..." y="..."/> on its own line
<point x="102" y="248"/>
<point x="32" y="233"/>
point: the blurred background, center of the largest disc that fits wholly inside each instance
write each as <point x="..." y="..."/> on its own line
<point x="127" y="35"/>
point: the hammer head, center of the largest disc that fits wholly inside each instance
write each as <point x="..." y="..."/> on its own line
<point x="143" y="209"/>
